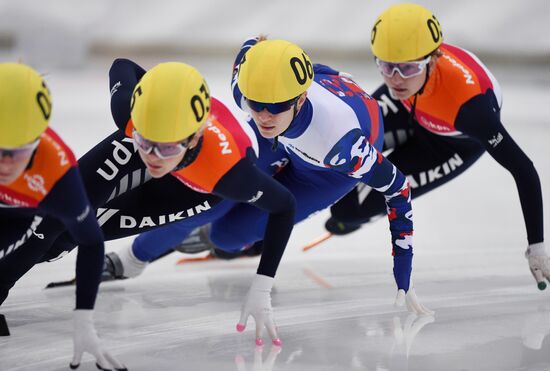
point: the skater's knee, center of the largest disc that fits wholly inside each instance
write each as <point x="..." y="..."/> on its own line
<point x="229" y="242"/>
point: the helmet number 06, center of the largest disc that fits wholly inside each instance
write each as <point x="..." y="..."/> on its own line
<point x="303" y="70"/>
<point x="197" y="103"/>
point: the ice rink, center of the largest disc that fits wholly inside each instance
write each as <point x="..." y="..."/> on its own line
<point x="334" y="304"/>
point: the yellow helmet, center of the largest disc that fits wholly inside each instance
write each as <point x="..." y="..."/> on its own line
<point x="170" y="102"/>
<point x="405" y="32"/>
<point x="25" y="105"/>
<point x="274" y="71"/>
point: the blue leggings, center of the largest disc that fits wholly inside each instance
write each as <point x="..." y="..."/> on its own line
<point x="315" y="191"/>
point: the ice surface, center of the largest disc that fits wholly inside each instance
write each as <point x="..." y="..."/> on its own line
<point x="333" y="304"/>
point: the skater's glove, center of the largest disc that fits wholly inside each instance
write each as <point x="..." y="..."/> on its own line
<point x="411" y="300"/>
<point x="85" y="339"/>
<point x="258" y="305"/>
<point x="259" y="363"/>
<point x="539" y="263"/>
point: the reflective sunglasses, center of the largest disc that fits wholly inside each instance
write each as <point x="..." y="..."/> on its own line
<point x="19" y="152"/>
<point x="162" y="150"/>
<point x="405" y="69"/>
<point x="273" y="108"/>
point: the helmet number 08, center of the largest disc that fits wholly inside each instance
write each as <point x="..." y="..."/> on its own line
<point x="197" y="103"/>
<point x="44" y="102"/>
<point x="303" y="70"/>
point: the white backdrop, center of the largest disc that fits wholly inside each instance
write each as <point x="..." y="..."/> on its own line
<point x="66" y="32"/>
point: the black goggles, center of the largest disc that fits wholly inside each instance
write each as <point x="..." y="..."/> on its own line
<point x="273" y="108"/>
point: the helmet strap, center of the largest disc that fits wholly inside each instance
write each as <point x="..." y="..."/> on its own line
<point x="190" y="155"/>
<point x="275" y="143"/>
<point x="32" y="159"/>
<point x="413" y="110"/>
<point x="419" y="92"/>
<point x="294" y="114"/>
<point x="425" y="80"/>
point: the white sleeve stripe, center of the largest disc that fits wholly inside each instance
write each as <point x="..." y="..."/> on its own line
<point x="386" y="187"/>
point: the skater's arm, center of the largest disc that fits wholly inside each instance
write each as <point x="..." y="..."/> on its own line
<point x="246" y="183"/>
<point x="67" y="202"/>
<point x="479" y="118"/>
<point x="123" y="77"/>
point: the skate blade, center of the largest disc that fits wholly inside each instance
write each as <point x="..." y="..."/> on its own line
<point x="195" y="260"/>
<point x="61" y="283"/>
<point x="317" y="241"/>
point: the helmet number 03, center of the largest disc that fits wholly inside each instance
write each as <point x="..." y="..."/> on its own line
<point x="374" y="30"/>
<point x="198" y="104"/>
<point x="44" y="102"/>
<point x="136" y="94"/>
<point x="435" y="28"/>
<point x="303" y="70"/>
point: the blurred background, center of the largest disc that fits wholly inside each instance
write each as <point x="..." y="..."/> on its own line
<point x="69" y="33"/>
